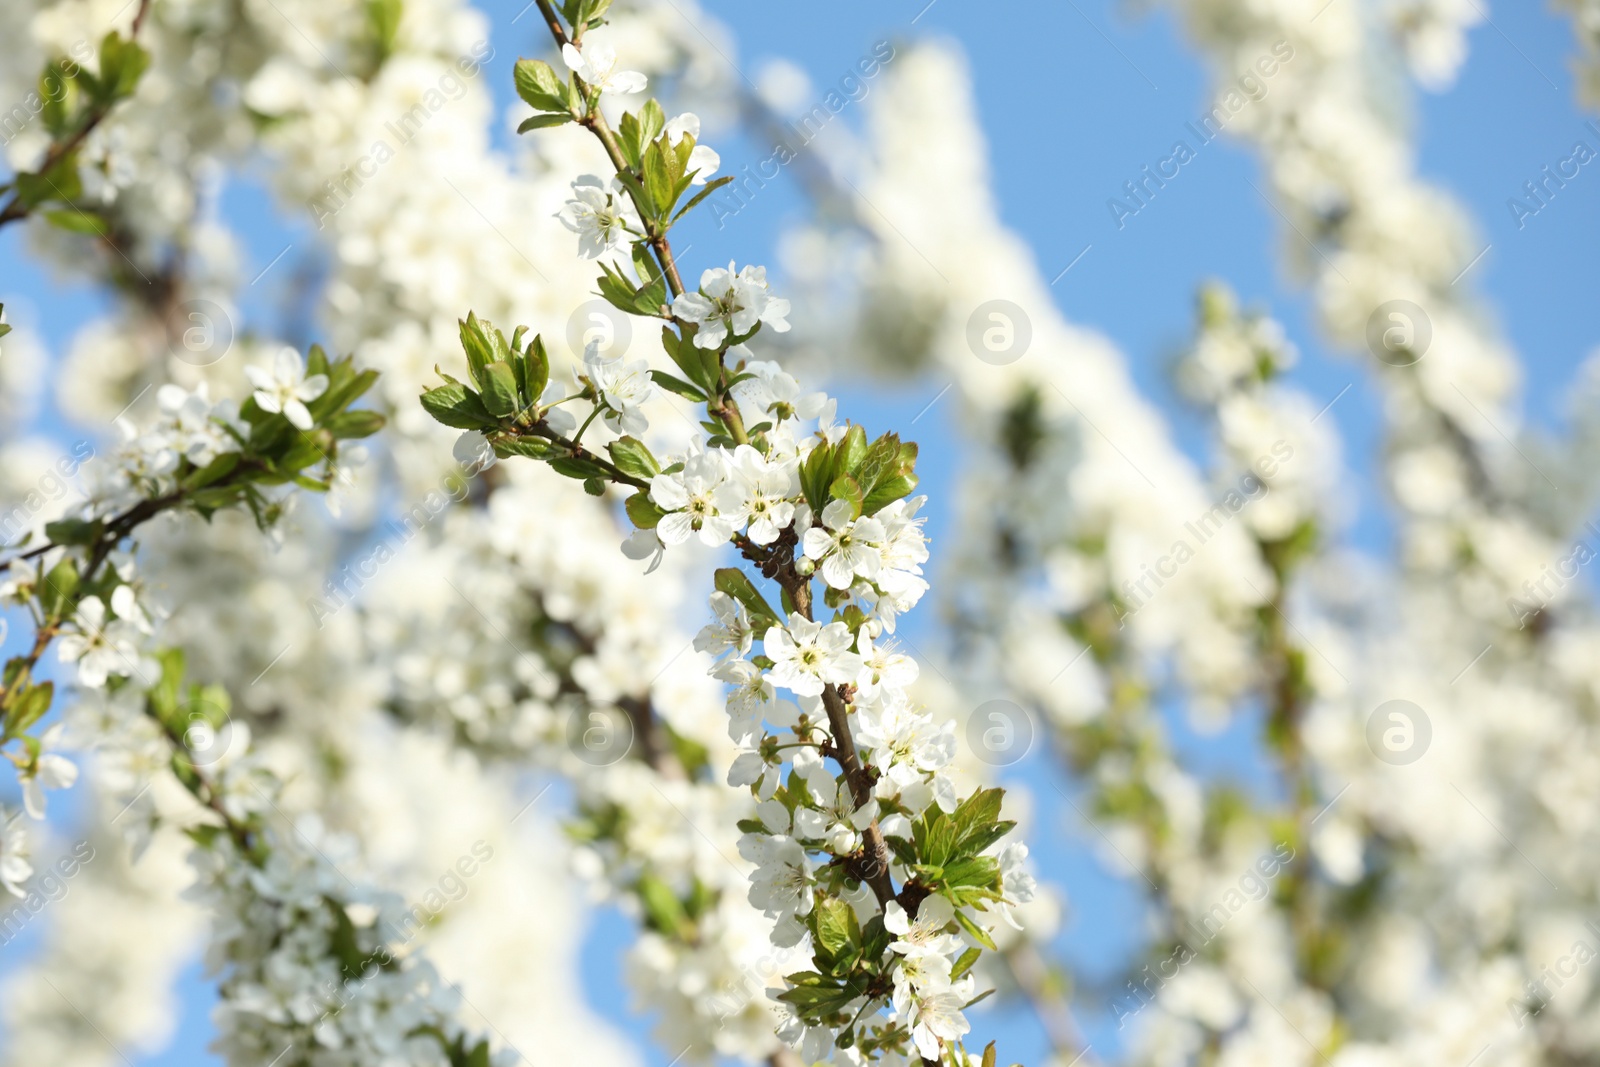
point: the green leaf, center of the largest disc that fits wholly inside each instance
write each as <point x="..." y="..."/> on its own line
<point x="904" y="851"/>
<point x="632" y="457"/>
<point x="979" y="934"/>
<point x="122" y="62"/>
<point x="499" y="348"/>
<point x="543" y="122"/>
<point x="887" y="492"/>
<point x="965" y="961"/>
<point x="500" y="390"/>
<point x="60" y="587"/>
<point x="660" y="175"/>
<point x="536" y="363"/>
<point x="577" y="467"/>
<point x="652" y="293"/>
<point x="76" y="220"/>
<point x="303" y="453"/>
<point x="28" y="707"/>
<point x="837" y="928"/>
<point x="643" y="511"/>
<point x="979" y="810"/>
<point x="59" y="91"/>
<point x="60" y="182"/>
<point x="345" y="387"/>
<point x="982" y="838"/>
<point x="815" y="995"/>
<point x="845" y="487"/>
<point x="538" y="84"/>
<point x="163" y="697"/>
<point x="736" y="583"/>
<point x="662" y="908"/>
<point x="850" y="451"/>
<point x="711" y="187"/>
<point x="217" y="469"/>
<point x="355" y="424"/>
<point x="215" y="498"/>
<point x="677" y="385"/>
<point x="75" y="531"/>
<point x="508" y="445"/>
<point x="479" y="349"/>
<point x="630" y="136"/>
<point x="383" y="19"/>
<point x="456" y="405"/>
<point x="620" y="291"/>
<point x="975" y="872"/>
<point x="814" y="476"/>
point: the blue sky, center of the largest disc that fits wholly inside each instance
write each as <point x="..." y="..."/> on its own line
<point x="1075" y="99"/>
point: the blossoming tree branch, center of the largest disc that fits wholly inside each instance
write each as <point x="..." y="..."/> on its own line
<point x="860" y="841"/>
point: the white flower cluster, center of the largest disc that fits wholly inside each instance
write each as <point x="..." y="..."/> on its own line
<point x="305" y="963"/>
<point x="392" y="243"/>
<point x="874" y="563"/>
<point x="1344" y="175"/>
<point x="528" y="670"/>
<point x="729" y="304"/>
<point x="1277" y="462"/>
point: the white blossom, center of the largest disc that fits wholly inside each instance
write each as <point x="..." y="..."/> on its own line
<point x="602" y="215"/>
<point x="784" y="877"/>
<point x="690" y="498"/>
<point x="759" y="492"/>
<point x="624" y="387"/>
<point x="596" y="64"/>
<point x="102" y="646"/>
<point x="807" y="655"/>
<point x="845" y="546"/>
<point x="731" y="305"/>
<point x="835" y="820"/>
<point x="49" y="770"/>
<point x="286" y="387"/>
<point x="14" y="866"/>
<point x="730" y="633"/>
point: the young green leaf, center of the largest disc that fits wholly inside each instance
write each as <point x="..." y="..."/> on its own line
<point x="737" y="584"/>
<point x="632" y="457"/>
<point x="539" y="86"/>
<point x="500" y="395"/>
<point x="456" y="405"/>
<point x="643" y="511"/>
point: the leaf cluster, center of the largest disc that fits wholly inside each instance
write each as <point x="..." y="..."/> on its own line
<point x="75" y="100"/>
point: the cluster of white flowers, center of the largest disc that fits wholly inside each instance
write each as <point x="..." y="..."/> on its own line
<point x="1276" y="461"/>
<point x="306" y="966"/>
<point x="1343" y="172"/>
<point x="393" y="242"/>
<point x="602" y="215"/>
<point x="542" y="626"/>
<point x="819" y="503"/>
<point x="729" y="304"/>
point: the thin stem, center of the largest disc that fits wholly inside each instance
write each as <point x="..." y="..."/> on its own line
<point x="596" y="123"/>
<point x="577" y="451"/>
<point x="586" y="424"/>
